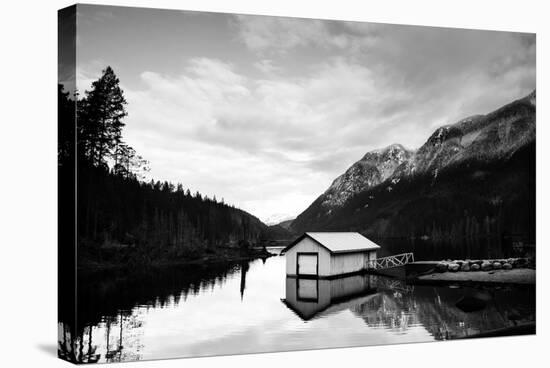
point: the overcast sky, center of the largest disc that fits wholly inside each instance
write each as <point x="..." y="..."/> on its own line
<point x="266" y="111"/>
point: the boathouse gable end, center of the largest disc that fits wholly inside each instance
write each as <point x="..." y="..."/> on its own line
<point x="302" y="249"/>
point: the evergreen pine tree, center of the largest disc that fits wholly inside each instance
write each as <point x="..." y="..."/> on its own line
<point x="100" y="119"/>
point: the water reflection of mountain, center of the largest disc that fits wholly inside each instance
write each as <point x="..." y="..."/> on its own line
<point x="118" y="314"/>
<point x="389" y="304"/>
<point x="435" y="309"/>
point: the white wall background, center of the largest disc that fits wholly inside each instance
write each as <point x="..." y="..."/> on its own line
<point x="28" y="181"/>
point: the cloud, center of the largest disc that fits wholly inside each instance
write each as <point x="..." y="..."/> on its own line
<point x="215" y="125"/>
<point x="267" y="66"/>
<point x="276" y="33"/>
<point x="87" y="73"/>
<point x="280" y="35"/>
<point x="267" y="122"/>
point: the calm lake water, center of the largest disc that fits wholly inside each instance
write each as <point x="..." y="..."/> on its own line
<point x="252" y="307"/>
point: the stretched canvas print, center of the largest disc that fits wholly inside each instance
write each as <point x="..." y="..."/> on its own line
<point x="234" y="184"/>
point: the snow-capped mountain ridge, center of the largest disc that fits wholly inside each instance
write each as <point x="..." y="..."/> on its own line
<point x="472" y="178"/>
<point x="487" y="137"/>
<point x="374" y="168"/>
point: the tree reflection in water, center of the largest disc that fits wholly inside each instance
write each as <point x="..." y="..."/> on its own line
<point x="196" y="311"/>
<point x="435" y="309"/>
<point x="107" y="301"/>
<point x="384" y="303"/>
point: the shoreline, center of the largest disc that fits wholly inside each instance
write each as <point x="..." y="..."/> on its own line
<point x="87" y="266"/>
<point x="510" y="271"/>
<point x="521" y="276"/>
<point x="529" y="328"/>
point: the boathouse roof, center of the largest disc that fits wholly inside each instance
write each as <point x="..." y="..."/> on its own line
<point x="338" y="242"/>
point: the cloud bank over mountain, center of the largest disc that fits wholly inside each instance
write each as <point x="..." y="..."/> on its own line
<point x="267" y="111"/>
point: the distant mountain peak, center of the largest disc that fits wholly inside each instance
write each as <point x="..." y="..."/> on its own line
<point x="532" y="97"/>
<point x="391" y="149"/>
<point x="453" y="154"/>
<point x="375" y="167"/>
<point x="277" y="219"/>
<point x="479" y="137"/>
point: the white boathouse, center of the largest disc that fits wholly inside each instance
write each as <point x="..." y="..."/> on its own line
<point x="329" y="254"/>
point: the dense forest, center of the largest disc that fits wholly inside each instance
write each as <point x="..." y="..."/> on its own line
<point x="471" y="181"/>
<point x="468" y="201"/>
<point x="122" y="219"/>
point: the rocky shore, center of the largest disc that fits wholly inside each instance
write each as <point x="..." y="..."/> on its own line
<point x="497" y="271"/>
<point x="484" y="265"/>
<point x="523" y="276"/>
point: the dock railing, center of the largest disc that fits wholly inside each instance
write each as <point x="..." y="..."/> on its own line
<point x="390" y="261"/>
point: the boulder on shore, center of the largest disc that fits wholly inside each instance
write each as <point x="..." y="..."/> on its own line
<point x="453" y="267"/>
<point x="486" y="266"/>
<point x="441" y="267"/>
<point x="483" y="265"/>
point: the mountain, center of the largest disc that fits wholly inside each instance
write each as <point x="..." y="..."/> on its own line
<point x="279" y="232"/>
<point x="374" y="168"/>
<point x="481" y="137"/>
<point x="277" y="218"/>
<point x="475" y="176"/>
<point x="286" y="224"/>
<point x="275" y="233"/>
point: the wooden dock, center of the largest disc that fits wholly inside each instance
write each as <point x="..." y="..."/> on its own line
<point x="383" y="263"/>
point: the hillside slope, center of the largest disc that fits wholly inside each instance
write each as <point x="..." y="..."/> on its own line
<point x="472" y="178"/>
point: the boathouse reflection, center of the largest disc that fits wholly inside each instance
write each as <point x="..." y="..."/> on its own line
<point x="310" y="297"/>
